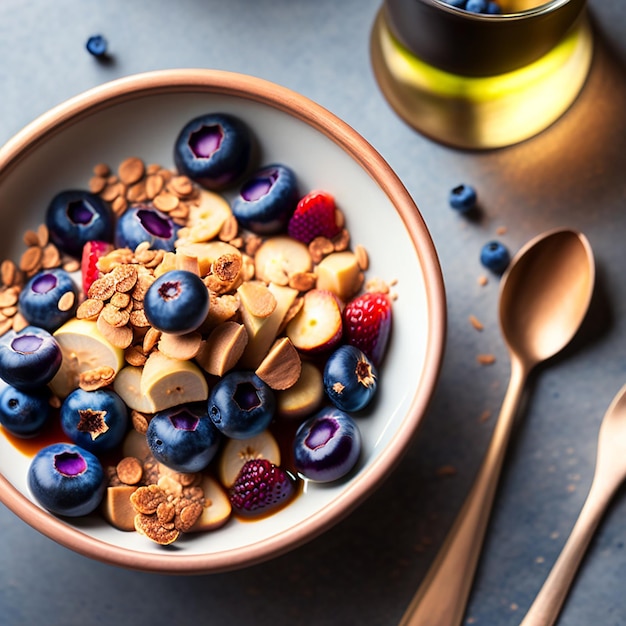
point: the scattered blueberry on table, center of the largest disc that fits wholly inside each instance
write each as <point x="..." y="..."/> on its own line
<point x="495" y="256"/>
<point x="463" y="198"/>
<point x="97" y="45"/>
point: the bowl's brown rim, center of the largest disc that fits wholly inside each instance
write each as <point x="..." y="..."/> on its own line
<point x="302" y="108"/>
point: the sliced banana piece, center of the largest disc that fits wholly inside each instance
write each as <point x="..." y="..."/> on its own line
<point x="127" y="385"/>
<point x="167" y="382"/>
<point x="83" y="348"/>
<point x="206" y="219"/>
<point x="237" y="451"/>
<point x="304" y="397"/>
<point x="217" y="507"/>
<point x="279" y="257"/>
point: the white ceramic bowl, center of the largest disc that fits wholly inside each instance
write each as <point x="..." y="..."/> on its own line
<point x="141" y="116"/>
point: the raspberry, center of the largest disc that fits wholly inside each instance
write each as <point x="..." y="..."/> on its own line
<point x="367" y="324"/>
<point x="315" y="216"/>
<point x="261" y="487"/>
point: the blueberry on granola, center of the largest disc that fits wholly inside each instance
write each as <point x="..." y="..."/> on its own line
<point x="44" y="300"/>
<point x="30" y="359"/>
<point x="213" y="150"/>
<point x="95" y="420"/>
<point x="183" y="437"/>
<point x="75" y="216"/>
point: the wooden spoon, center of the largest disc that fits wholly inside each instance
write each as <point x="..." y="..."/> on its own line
<point x="544" y="296"/>
<point x="609" y="474"/>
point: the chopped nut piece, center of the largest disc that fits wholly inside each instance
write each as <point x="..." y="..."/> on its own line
<point x="131" y="170"/>
<point x="182" y="347"/>
<point x="129" y="470"/>
<point x="114" y="316"/>
<point x="124" y="277"/>
<point x="89" y="309"/>
<point x="8" y="272"/>
<point x="166" y="201"/>
<point x="257" y="298"/>
<point x="134" y="355"/>
<point x="140" y="421"/>
<point x="223" y="348"/>
<point x="102" y="288"/>
<point x="121" y="337"/>
<point x="362" y="257"/>
<point x="96" y="378"/>
<point x="320" y="247"/>
<point x="486" y="359"/>
<point x="302" y="281"/>
<point x="475" y="322"/>
<point x="280" y="369"/>
<point x="31" y="259"/>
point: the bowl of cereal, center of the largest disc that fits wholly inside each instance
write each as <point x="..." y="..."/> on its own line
<point x="203" y="332"/>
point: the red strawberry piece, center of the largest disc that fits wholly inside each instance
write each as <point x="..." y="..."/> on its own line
<point x="92" y="251"/>
<point x="315" y="216"/>
<point x="260" y="488"/>
<point x="367" y="324"/>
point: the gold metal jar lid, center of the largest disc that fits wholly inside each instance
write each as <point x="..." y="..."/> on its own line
<point x="481" y="112"/>
<point x="474" y="44"/>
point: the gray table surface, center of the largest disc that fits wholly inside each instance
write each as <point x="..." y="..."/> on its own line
<point x="366" y="569"/>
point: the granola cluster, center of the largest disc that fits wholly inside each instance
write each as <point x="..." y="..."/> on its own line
<point x="164" y="503"/>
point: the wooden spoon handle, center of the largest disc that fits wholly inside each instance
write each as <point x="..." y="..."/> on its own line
<point x="549" y="601"/>
<point x="442" y="598"/>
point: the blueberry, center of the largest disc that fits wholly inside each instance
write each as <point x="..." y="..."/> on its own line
<point x="24" y="413"/>
<point x="495" y="257"/>
<point x="95" y="420"/>
<point x="213" y="150"/>
<point x="493" y="8"/>
<point x="66" y="479"/>
<point x="75" y="217"/>
<point x="183" y="437"/>
<point x="241" y="405"/>
<point x="143" y="222"/>
<point x="459" y="4"/>
<point x="39" y="299"/>
<point x="97" y="45"/>
<point x="350" y="378"/>
<point x="177" y="302"/>
<point x="462" y="198"/>
<point x="267" y="200"/>
<point x="476" y="6"/>
<point x="327" y="445"/>
<point x="30" y="359"/>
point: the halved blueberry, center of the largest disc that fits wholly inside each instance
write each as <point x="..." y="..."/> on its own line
<point x="267" y="200"/>
<point x="213" y="150"/>
<point x="143" y="222"/>
<point x="67" y="479"/>
<point x="75" y="216"/>
<point x="30" y="359"/>
<point x="327" y="445"/>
